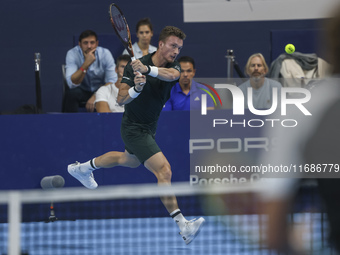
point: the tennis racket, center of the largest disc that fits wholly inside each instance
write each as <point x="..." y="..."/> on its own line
<point x="121" y="28"/>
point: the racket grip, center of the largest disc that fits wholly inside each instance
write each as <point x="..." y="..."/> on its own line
<point x="132" y="59"/>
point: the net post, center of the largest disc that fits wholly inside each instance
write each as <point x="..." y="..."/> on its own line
<point x="14" y="220"/>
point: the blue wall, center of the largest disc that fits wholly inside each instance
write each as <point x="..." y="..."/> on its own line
<point x="48" y="27"/>
<point x="35" y="146"/>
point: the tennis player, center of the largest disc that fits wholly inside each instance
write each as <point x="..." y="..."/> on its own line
<point x="145" y="88"/>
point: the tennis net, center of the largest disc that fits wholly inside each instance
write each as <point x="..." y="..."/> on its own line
<point x="131" y="219"/>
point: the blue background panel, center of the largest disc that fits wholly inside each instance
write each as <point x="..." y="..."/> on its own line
<point x="34" y="146"/>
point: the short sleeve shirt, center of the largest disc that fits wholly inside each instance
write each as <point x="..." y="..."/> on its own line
<point x="146" y="108"/>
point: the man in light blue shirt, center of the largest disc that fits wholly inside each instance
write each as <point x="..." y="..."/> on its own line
<point x="88" y="66"/>
<point x="187" y="94"/>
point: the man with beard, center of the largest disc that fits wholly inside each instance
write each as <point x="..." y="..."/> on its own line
<point x="258" y="87"/>
<point x="88" y="66"/>
<point x="186" y="94"/>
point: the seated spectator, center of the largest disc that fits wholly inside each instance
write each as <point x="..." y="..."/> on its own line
<point x="261" y="87"/>
<point x="88" y="66"/>
<point x="106" y="96"/>
<point x="186" y="94"/>
<point x="144" y="33"/>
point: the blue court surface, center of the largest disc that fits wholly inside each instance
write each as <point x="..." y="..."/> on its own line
<point x="227" y="234"/>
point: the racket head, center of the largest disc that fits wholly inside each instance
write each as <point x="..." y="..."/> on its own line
<point x="121" y="27"/>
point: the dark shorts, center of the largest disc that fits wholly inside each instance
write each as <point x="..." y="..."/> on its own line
<point x="139" y="139"/>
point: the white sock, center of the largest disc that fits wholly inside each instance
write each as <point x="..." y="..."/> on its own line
<point x="88" y="166"/>
<point x="178" y="218"/>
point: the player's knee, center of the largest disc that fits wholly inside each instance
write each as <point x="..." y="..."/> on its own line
<point x="128" y="160"/>
<point x="134" y="164"/>
<point x="165" y="174"/>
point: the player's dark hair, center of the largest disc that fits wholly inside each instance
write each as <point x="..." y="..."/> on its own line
<point x="144" y="22"/>
<point x="169" y="31"/>
<point x="124" y="57"/>
<point x="86" y="34"/>
<point x="187" y="59"/>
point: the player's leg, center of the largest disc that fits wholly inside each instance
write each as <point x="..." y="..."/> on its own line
<point x="159" y="165"/>
<point x="83" y="171"/>
<point x="116" y="158"/>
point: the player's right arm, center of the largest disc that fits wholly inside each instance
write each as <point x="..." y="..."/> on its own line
<point x="168" y="74"/>
<point x="162" y="73"/>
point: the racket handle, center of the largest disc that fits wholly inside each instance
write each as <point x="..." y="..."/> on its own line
<point x="132" y="59"/>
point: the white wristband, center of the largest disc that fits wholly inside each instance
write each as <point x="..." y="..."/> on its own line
<point x="133" y="93"/>
<point x="153" y="71"/>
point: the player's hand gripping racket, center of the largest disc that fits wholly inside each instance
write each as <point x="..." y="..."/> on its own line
<point x="121" y="28"/>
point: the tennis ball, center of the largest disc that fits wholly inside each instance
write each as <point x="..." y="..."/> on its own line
<point x="290" y="48"/>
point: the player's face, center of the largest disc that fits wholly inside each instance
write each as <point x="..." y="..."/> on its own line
<point x="120" y="68"/>
<point x="187" y="73"/>
<point x="256" y="68"/>
<point x="170" y="48"/>
<point x="89" y="43"/>
<point x="144" y="34"/>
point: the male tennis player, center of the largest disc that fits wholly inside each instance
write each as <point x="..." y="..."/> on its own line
<point x="145" y="88"/>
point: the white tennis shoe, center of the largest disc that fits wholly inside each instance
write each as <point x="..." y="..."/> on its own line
<point x="86" y="179"/>
<point x="191" y="229"/>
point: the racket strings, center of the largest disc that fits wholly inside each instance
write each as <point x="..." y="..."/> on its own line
<point x="119" y="23"/>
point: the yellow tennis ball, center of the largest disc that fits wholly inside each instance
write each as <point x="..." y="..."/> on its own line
<point x="290" y="48"/>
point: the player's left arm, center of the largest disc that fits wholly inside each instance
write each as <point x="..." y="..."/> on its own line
<point x="123" y="94"/>
<point x="127" y="93"/>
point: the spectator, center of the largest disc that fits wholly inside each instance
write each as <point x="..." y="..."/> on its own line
<point x="144" y="33"/>
<point x="186" y="94"/>
<point x="106" y="96"/>
<point x="261" y="88"/>
<point x="88" y="66"/>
